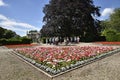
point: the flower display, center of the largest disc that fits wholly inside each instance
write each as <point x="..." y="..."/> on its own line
<point x="56" y="59"/>
<point x="108" y="43"/>
<point x="20" y="45"/>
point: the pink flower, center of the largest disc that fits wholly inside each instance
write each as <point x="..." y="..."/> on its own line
<point x="54" y="55"/>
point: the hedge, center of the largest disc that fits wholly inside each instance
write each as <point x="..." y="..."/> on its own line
<point x="118" y="36"/>
<point x="111" y="35"/>
<point x="15" y="41"/>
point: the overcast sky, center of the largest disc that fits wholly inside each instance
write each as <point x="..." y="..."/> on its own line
<point x="23" y="15"/>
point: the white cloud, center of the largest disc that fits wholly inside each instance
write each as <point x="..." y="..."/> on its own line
<point x="15" y="26"/>
<point x="105" y="14"/>
<point x="2" y="3"/>
<point x="3" y="17"/>
<point x="107" y="11"/>
<point x="10" y="23"/>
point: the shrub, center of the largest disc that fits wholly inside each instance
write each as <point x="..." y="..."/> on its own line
<point x="118" y="36"/>
<point x="110" y="35"/>
<point x="26" y="40"/>
<point x="3" y="41"/>
<point x="43" y="39"/>
<point x="13" y="41"/>
<point x="22" y="40"/>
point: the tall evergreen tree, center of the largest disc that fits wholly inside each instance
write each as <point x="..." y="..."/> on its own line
<point x="70" y="18"/>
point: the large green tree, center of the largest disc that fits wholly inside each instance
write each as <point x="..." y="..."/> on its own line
<point x="115" y="19"/>
<point x="70" y="18"/>
<point x="111" y="26"/>
<point x="113" y="22"/>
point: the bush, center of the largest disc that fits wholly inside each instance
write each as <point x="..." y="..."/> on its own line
<point x="3" y="41"/>
<point x="13" y="41"/>
<point x="111" y="35"/>
<point x="43" y="39"/>
<point x="118" y="36"/>
<point x="26" y="40"/>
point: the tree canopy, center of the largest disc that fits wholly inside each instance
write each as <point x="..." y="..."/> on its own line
<point x="111" y="26"/>
<point x="115" y="19"/>
<point x="113" y="22"/>
<point x="4" y="33"/>
<point x="70" y="18"/>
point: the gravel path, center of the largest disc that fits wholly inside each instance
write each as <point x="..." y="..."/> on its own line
<point x="12" y="68"/>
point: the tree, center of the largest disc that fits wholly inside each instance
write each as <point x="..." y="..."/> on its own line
<point x="115" y="19"/>
<point x="9" y="34"/>
<point x="70" y="18"/>
<point x="113" y="22"/>
<point x="111" y="27"/>
<point x="4" y="33"/>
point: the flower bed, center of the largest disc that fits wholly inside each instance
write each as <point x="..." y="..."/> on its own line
<point x="109" y="43"/>
<point x="59" y="59"/>
<point x="20" y="45"/>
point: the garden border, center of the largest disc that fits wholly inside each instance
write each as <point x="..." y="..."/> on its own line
<point x="75" y="66"/>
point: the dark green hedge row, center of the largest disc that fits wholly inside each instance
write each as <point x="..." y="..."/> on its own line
<point x="15" y="41"/>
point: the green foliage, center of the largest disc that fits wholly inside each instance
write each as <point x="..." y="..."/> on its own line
<point x="4" y="33"/>
<point x="10" y="37"/>
<point x="108" y="31"/>
<point x="115" y="19"/>
<point x="111" y="35"/>
<point x="3" y="41"/>
<point x="113" y="22"/>
<point x="26" y="40"/>
<point x="111" y="27"/>
<point x="118" y="36"/>
<point x="105" y="25"/>
<point x="43" y="39"/>
<point x="11" y="41"/>
<point x="9" y="34"/>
